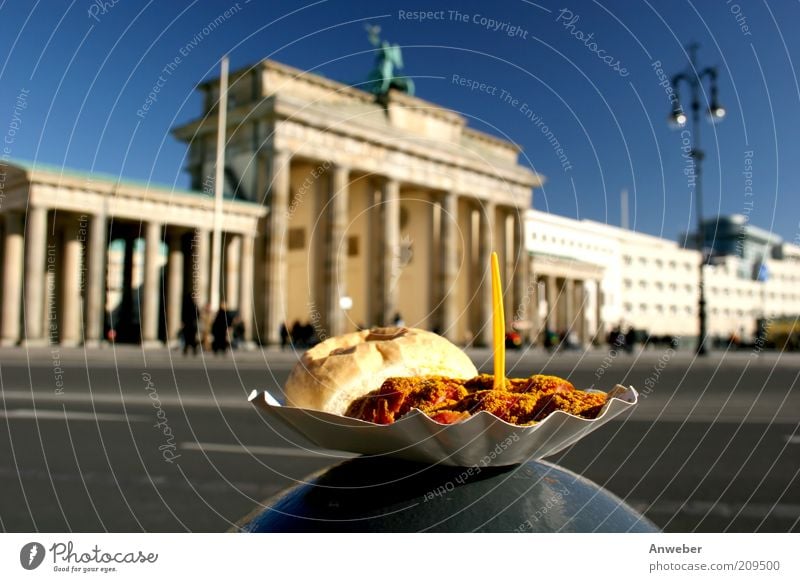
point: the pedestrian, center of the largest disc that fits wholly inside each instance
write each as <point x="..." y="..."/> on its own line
<point x="237" y="332"/>
<point x="296" y="333"/>
<point x="630" y="339"/>
<point x="189" y="329"/>
<point x="220" y="331"/>
<point x="284" y="336"/>
<point x="205" y="328"/>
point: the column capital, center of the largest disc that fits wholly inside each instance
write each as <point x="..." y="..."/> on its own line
<point x="279" y="156"/>
<point x="339" y="176"/>
<point x="388" y="182"/>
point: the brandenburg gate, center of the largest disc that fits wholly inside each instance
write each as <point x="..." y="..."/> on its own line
<point x="342" y="210"/>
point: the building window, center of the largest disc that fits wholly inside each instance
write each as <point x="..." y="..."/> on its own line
<point x="659" y="285"/>
<point x="643" y="307"/>
<point x="297" y="239"/>
<point x="627" y="259"/>
<point x="673" y="309"/>
<point x="628" y="307"/>
<point x="352" y="246"/>
<point x="628" y="283"/>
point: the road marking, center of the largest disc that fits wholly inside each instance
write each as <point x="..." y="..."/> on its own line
<point x="270" y="451"/>
<point x="646" y="411"/>
<point x="44" y="414"/>
<point x="793" y="439"/>
<point x="187" y="401"/>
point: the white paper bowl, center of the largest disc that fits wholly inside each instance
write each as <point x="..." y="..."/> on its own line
<point x="481" y="440"/>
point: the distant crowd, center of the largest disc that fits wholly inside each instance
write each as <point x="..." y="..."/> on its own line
<point x="217" y="332"/>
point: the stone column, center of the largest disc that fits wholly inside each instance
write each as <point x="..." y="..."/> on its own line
<point x="449" y="238"/>
<point x="336" y="255"/>
<point x="150" y="294"/>
<point x="2" y="254"/>
<point x="233" y="257"/>
<point x="246" y="286"/>
<point x="277" y="268"/>
<point x="71" y="285"/>
<point x="523" y="294"/>
<point x="599" y="325"/>
<point x="568" y="293"/>
<point x="580" y="313"/>
<point x="95" y="287"/>
<point x="390" y="201"/>
<point x="13" y="248"/>
<point x="373" y="257"/>
<point x="507" y="255"/>
<point x="54" y="268"/>
<point x="533" y="315"/>
<point x="35" y="242"/>
<point x="551" y="294"/>
<point x="123" y="325"/>
<point x="201" y="252"/>
<point x="485" y="248"/>
<point x="175" y="270"/>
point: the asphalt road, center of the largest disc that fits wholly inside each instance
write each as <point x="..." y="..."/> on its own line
<point x="713" y="445"/>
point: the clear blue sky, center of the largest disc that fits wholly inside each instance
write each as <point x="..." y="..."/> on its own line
<point x="85" y="78"/>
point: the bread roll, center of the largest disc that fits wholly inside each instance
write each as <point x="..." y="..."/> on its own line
<point x="337" y="371"/>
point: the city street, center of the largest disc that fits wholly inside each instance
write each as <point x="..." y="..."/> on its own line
<point x="712" y="446"/>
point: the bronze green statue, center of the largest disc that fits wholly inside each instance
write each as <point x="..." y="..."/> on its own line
<point x="388" y="59"/>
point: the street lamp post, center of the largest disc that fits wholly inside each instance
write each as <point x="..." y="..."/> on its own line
<point x="694" y="79"/>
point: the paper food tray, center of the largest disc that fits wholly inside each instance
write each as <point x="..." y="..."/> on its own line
<point x="481" y="440"/>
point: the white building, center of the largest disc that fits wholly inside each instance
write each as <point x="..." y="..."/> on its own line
<point x="589" y="277"/>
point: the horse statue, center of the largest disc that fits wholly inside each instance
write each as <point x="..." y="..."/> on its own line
<point x="388" y="59"/>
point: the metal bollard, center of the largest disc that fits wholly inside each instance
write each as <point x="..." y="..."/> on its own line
<point x="374" y="494"/>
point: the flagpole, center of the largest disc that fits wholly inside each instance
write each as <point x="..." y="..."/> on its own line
<point x="219" y="184"/>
